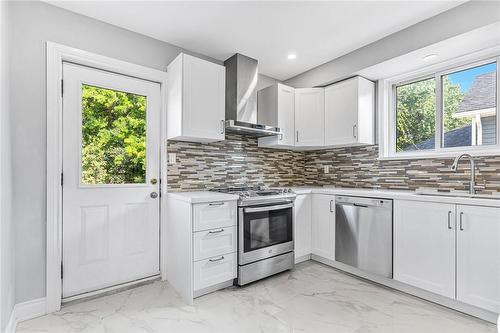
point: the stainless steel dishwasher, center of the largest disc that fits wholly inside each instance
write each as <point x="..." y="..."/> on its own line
<point x="363" y="233"/>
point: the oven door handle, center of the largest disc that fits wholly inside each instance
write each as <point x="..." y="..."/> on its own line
<point x="267" y="208"/>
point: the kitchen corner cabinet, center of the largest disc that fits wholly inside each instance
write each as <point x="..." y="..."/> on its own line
<point x="323" y="226"/>
<point x="276" y="107"/>
<point x="309" y="117"/>
<point x="195" y="100"/>
<point x="350" y="113"/>
<point x="302" y="227"/>
<point x="436" y="244"/>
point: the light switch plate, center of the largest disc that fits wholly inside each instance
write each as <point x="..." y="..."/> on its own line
<point x="172" y="158"/>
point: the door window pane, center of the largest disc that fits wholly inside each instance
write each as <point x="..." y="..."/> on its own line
<point x="469" y="107"/>
<point x="416" y="116"/>
<point x="113" y="137"/>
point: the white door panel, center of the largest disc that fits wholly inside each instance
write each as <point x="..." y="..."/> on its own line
<point x="110" y="221"/>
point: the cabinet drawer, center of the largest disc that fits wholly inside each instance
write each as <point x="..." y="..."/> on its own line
<point x="215" y="242"/>
<point x="214" y="215"/>
<point x="209" y="272"/>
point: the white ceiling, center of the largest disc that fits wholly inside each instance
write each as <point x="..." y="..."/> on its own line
<point x="316" y="31"/>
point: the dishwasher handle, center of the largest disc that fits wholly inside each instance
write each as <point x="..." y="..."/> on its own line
<point x="363" y="202"/>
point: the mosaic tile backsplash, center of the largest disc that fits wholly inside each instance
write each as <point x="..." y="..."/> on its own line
<point x="239" y="160"/>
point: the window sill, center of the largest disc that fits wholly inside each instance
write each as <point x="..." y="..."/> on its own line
<point x="494" y="151"/>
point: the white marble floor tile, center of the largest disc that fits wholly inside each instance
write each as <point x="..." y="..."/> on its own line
<point x="311" y="298"/>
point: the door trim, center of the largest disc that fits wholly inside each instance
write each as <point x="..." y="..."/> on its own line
<point x="56" y="54"/>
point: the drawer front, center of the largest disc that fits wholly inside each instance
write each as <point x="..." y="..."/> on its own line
<point x="214" y="215"/>
<point x="209" y="272"/>
<point x="215" y="242"/>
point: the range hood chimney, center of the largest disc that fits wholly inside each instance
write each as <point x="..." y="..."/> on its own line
<point x="241" y="98"/>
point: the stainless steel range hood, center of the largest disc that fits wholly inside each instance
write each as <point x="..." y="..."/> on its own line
<point x="241" y="98"/>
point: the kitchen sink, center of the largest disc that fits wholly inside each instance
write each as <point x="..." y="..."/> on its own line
<point x="461" y="194"/>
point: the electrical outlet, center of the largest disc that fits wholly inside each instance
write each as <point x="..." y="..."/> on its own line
<point x="326" y="169"/>
<point x="172" y="158"/>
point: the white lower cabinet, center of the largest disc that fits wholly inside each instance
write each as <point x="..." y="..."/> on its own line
<point x="215" y="270"/>
<point x="424" y="245"/>
<point x="323" y="226"/>
<point x="201" y="245"/>
<point x="302" y="227"/>
<point x="478" y="256"/>
<point x="438" y="244"/>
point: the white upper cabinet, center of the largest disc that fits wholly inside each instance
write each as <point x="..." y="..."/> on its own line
<point x="350" y="113"/>
<point x="309" y="117"/>
<point x="195" y="100"/>
<point x="276" y="107"/>
<point x="478" y="256"/>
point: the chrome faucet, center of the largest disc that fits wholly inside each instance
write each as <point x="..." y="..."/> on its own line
<point x="472" y="183"/>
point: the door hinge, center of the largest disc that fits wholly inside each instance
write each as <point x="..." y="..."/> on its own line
<point x="62" y="179"/>
<point x="62" y="88"/>
<point x="62" y="274"/>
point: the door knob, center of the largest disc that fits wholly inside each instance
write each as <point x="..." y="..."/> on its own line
<point x="154" y="195"/>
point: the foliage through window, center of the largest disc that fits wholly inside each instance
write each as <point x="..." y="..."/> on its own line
<point x="113" y="136"/>
<point x="465" y="115"/>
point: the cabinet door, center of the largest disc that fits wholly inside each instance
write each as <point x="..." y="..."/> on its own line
<point x="478" y="256"/>
<point x="309" y="117"/>
<point x="302" y="225"/>
<point x="424" y="245"/>
<point x="203" y="100"/>
<point x="286" y="115"/>
<point x="323" y="226"/>
<point x="341" y="113"/>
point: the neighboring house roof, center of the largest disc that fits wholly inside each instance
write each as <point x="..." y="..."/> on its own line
<point x="460" y="137"/>
<point x="481" y="94"/>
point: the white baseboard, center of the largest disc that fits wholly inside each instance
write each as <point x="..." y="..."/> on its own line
<point x="25" y="311"/>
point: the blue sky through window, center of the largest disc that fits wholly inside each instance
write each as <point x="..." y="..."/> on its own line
<point x="466" y="77"/>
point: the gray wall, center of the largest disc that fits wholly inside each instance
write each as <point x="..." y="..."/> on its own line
<point x="453" y="22"/>
<point x="6" y="223"/>
<point x="34" y="23"/>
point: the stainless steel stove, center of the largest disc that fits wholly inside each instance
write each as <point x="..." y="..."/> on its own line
<point x="265" y="231"/>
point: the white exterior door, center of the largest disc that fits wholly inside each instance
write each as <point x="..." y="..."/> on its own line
<point x="323" y="226"/>
<point x="478" y="256"/>
<point x="424" y="245"/>
<point x="110" y="179"/>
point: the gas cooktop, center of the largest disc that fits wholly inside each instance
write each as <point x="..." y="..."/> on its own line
<point x="258" y="194"/>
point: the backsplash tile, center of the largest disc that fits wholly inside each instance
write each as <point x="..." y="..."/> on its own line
<point x="239" y="160"/>
<point x="236" y="161"/>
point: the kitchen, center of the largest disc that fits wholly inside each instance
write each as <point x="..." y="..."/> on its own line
<point x="274" y="192"/>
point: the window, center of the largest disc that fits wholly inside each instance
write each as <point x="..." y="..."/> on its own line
<point x="113" y="137"/>
<point x="445" y="111"/>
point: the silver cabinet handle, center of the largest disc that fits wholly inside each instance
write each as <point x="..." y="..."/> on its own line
<point x="280" y="137"/>
<point x="216" y="232"/>
<point x="297" y="136"/>
<point x="218" y="259"/>
<point x="449" y="219"/>
<point x="354" y="131"/>
<point x="216" y="204"/>
<point x="461" y="221"/>
<point x="223" y="122"/>
<point x="331" y="208"/>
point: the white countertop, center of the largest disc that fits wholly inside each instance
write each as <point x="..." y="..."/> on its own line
<point x="202" y="196"/>
<point x="398" y="194"/>
<point x="207" y="196"/>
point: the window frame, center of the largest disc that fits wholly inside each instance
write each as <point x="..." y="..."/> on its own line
<point x="388" y="112"/>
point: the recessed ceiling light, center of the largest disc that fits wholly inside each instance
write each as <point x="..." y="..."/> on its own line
<point x="292" y="56"/>
<point x="430" y="57"/>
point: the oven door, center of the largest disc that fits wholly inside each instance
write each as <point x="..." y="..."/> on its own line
<point x="265" y="231"/>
